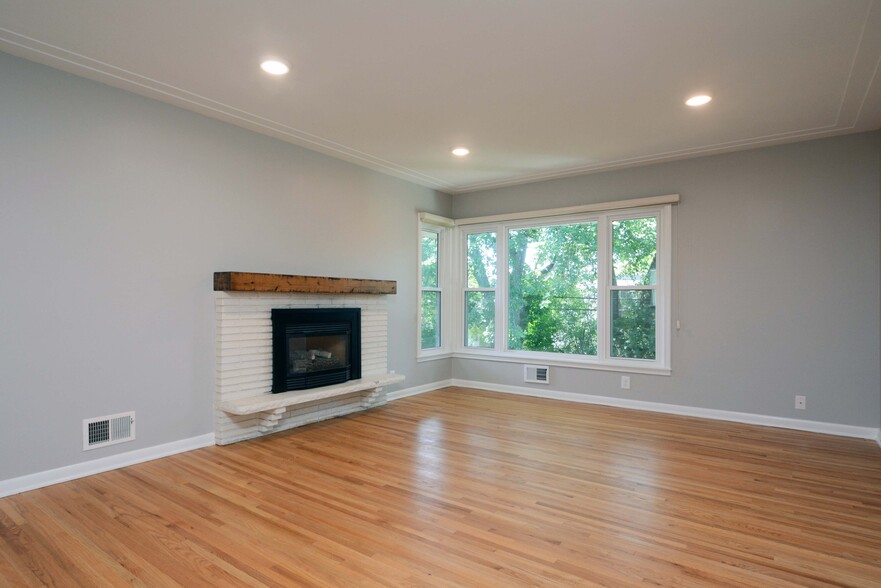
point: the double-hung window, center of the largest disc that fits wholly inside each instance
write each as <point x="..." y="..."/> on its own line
<point x="434" y="274"/>
<point x="633" y="288"/>
<point x="480" y="289"/>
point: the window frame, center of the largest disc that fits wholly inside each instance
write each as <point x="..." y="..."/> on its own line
<point x="442" y="227"/>
<point x="603" y="360"/>
<point x="462" y="279"/>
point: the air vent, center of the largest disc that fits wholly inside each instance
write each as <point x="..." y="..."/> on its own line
<point x="108" y="430"/>
<point x="536" y="374"/>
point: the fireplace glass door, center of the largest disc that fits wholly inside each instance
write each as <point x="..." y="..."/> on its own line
<point x="309" y="353"/>
<point x="315" y="347"/>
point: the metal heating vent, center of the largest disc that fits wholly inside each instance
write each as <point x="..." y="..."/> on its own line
<point x="536" y="374"/>
<point x="108" y="430"/>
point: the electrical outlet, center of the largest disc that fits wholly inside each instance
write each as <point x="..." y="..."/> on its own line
<point x="625" y="382"/>
<point x="800" y="402"/>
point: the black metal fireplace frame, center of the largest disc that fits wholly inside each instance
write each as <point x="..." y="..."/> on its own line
<point x="313" y="321"/>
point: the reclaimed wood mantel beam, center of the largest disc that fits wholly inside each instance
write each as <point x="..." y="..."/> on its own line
<point x="251" y="282"/>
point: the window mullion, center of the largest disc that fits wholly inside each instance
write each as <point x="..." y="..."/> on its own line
<point x="604" y="275"/>
<point x="457" y="282"/>
<point x="501" y="288"/>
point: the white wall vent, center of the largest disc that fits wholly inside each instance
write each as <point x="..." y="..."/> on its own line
<point x="108" y="430"/>
<point x="536" y="374"/>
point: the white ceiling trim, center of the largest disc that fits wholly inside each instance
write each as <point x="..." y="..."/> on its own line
<point x="84" y="66"/>
<point x="741" y="145"/>
<point x="853" y="100"/>
<point x="856" y="112"/>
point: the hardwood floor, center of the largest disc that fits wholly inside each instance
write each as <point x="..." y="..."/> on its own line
<point x="467" y="488"/>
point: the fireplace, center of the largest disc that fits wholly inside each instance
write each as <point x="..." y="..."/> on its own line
<point x="314" y="347"/>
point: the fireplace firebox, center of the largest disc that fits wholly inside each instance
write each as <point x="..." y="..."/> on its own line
<point x="314" y="347"/>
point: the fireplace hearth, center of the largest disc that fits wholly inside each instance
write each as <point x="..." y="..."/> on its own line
<point x="314" y="347"/>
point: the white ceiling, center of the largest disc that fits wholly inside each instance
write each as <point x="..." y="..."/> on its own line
<point x="535" y="88"/>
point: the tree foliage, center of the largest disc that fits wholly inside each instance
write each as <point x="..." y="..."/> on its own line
<point x="552" y="288"/>
<point x="430" y="300"/>
<point x="634" y="258"/>
<point x="480" y="306"/>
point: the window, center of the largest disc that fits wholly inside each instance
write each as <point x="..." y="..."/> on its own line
<point x="588" y="290"/>
<point x="553" y="288"/>
<point x="480" y="290"/>
<point x="433" y="326"/>
<point x="632" y="289"/>
<point x="431" y="297"/>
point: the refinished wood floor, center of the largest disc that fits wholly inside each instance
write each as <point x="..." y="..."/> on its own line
<point x="466" y="488"/>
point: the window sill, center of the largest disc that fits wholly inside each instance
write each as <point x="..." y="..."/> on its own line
<point x="523" y="358"/>
<point x="433" y="355"/>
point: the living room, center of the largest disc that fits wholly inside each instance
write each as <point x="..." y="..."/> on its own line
<point x="119" y="206"/>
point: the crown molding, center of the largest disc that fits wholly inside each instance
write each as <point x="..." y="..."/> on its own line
<point x="861" y="89"/>
<point x="93" y="69"/>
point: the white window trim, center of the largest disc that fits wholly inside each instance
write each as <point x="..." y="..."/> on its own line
<point x="443" y="227"/>
<point x="611" y="207"/>
<point x="604" y="215"/>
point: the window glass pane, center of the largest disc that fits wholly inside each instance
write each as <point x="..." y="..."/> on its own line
<point x="552" y="292"/>
<point x="429" y="259"/>
<point x="633" y="324"/>
<point x="480" y="319"/>
<point x="634" y="251"/>
<point x="482" y="260"/>
<point x="431" y="316"/>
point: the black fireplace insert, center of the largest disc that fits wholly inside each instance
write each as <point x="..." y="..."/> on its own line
<point x="314" y="347"/>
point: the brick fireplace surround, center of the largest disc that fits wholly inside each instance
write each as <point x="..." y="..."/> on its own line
<point x="244" y="354"/>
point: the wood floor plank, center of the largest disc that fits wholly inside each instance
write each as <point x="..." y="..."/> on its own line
<point x="462" y="487"/>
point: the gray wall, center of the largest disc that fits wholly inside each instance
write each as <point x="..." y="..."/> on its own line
<point x="776" y="279"/>
<point x="115" y="210"/>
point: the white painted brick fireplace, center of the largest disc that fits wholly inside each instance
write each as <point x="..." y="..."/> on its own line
<point x="244" y="358"/>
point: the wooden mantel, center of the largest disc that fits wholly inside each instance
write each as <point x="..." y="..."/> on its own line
<point x="251" y="282"/>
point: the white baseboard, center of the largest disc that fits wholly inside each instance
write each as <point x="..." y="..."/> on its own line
<point x="398" y="394"/>
<point x="96" y="466"/>
<point x="706" y="413"/>
<point x="878" y="438"/>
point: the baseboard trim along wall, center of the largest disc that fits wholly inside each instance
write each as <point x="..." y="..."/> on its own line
<point x="397" y="394"/>
<point x="706" y="413"/>
<point x="104" y="464"/>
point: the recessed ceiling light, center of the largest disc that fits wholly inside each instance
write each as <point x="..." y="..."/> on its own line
<point x="460" y="152"/>
<point x="698" y="100"/>
<point x="275" y="67"/>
